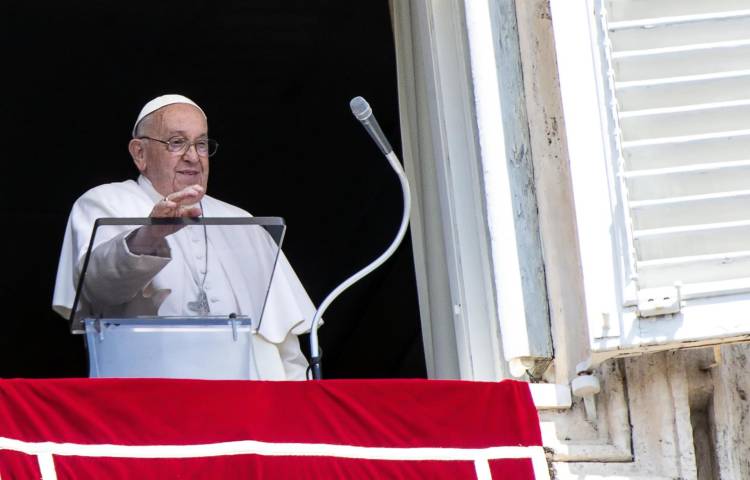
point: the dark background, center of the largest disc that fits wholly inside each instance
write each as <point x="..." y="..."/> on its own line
<point x="275" y="82"/>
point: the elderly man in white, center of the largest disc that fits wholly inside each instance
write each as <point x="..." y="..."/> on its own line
<point x="134" y="268"/>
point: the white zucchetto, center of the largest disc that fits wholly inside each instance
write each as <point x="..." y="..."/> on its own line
<point x="161" y="102"/>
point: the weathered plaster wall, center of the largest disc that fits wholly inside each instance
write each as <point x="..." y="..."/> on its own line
<point x="688" y="417"/>
<point x="730" y="409"/>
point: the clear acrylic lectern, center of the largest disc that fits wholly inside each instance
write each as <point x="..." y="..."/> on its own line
<point x="185" y="306"/>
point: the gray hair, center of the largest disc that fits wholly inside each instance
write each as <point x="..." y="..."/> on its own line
<point x="144" y="125"/>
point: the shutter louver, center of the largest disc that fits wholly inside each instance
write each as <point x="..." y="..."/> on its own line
<point x="680" y="73"/>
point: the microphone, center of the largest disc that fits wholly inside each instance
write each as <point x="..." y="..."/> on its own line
<point x="361" y="109"/>
<point x="363" y="112"/>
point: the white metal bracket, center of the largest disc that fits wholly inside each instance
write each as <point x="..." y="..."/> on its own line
<point x="659" y="301"/>
<point x="586" y="385"/>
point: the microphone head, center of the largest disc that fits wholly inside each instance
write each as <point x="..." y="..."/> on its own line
<point x="360" y="108"/>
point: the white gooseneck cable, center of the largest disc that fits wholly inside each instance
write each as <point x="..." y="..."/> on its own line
<point x="361" y="109"/>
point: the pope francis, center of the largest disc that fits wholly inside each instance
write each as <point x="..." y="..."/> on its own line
<point x="145" y="271"/>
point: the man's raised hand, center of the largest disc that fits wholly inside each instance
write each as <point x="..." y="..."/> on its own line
<point x="150" y="239"/>
<point x="182" y="203"/>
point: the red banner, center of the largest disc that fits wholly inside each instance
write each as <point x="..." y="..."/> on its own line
<point x="163" y="429"/>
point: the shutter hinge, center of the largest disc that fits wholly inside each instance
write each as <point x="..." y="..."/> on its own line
<point x="659" y="301"/>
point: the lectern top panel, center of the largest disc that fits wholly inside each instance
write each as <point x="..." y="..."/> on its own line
<point x="183" y="267"/>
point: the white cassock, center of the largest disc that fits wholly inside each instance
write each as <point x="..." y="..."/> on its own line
<point x="122" y="284"/>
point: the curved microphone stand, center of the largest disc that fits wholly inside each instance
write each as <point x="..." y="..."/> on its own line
<point x="368" y="121"/>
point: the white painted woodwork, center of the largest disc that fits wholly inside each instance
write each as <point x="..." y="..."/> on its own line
<point x="508" y="183"/>
<point x="550" y="396"/>
<point x="689" y="215"/>
<point x="450" y="233"/>
<point x="670" y="88"/>
<point x="466" y="150"/>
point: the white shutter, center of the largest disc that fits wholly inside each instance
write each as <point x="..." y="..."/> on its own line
<point x="681" y="74"/>
<point x="673" y="101"/>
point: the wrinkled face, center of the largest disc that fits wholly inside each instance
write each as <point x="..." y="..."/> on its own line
<point x="171" y="171"/>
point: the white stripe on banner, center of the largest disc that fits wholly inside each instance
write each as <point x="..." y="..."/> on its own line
<point x="47" y="466"/>
<point x="244" y="447"/>
<point x="482" y="467"/>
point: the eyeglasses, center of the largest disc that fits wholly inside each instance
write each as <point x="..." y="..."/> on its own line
<point x="205" y="147"/>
